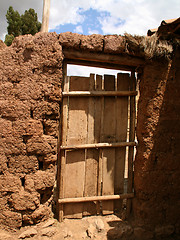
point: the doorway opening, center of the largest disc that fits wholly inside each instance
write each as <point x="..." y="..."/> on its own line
<point x="97" y="142"/>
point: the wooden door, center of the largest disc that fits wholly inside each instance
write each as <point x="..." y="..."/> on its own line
<point x="97" y="112"/>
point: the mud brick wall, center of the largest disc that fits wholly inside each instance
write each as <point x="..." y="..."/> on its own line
<point x="30" y="96"/>
<point x="30" y="84"/>
<point x="157" y="163"/>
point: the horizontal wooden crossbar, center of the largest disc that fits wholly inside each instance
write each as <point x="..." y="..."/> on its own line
<point x="99" y="93"/>
<point x="100" y="145"/>
<point x="95" y="198"/>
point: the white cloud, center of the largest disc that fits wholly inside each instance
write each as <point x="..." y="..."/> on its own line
<point x="139" y="15"/>
<point x="91" y="31"/>
<point x="78" y="29"/>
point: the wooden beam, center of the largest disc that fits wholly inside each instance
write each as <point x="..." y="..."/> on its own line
<point x="99" y="93"/>
<point x="95" y="198"/>
<point x="132" y="128"/>
<point x="103" y="58"/>
<point x="100" y="145"/>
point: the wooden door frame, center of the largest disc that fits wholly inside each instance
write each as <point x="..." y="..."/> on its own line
<point x="108" y="61"/>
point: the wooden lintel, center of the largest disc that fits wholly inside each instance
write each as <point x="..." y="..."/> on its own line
<point x="100" y="65"/>
<point x="100" y="145"/>
<point x="95" y="198"/>
<point x="99" y="93"/>
<point x="102" y="58"/>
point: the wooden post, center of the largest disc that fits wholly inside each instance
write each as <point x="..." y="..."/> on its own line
<point x="62" y="160"/>
<point x="45" y="17"/>
<point x="131" y="138"/>
<point x="123" y="81"/>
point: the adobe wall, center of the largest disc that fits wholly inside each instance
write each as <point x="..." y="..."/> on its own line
<point x="157" y="169"/>
<point x="30" y="96"/>
<point x="30" y="83"/>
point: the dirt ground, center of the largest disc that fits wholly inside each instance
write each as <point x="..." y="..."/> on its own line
<point x="94" y="227"/>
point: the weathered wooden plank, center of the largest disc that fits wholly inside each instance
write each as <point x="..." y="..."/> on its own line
<point x="104" y="58"/>
<point x="100" y="145"/>
<point x="96" y="198"/>
<point x="115" y="66"/>
<point x="77" y="121"/>
<point x="99" y="110"/>
<point x="109" y="129"/>
<point x="75" y="161"/>
<point x="64" y="123"/>
<point x="74" y="182"/>
<point x="123" y="83"/>
<point x="131" y="138"/>
<point x="99" y="93"/>
<point x="90" y="188"/>
<point x="79" y="83"/>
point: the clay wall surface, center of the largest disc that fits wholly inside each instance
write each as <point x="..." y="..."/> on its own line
<point x="30" y="97"/>
<point x="157" y="168"/>
<point x="30" y="82"/>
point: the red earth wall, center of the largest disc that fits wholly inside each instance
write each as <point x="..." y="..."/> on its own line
<point x="30" y="96"/>
<point x="157" y="166"/>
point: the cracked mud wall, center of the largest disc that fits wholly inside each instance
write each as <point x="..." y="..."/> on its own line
<point x="157" y="167"/>
<point x="30" y="93"/>
<point x="30" y="96"/>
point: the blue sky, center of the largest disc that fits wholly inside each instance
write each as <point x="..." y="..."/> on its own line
<point x="89" y="23"/>
<point x="97" y="16"/>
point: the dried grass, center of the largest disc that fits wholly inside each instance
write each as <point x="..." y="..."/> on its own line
<point x="153" y="47"/>
<point x="150" y="47"/>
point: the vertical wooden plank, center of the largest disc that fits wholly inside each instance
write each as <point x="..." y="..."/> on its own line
<point x="64" y="123"/>
<point x="91" y="156"/>
<point x="131" y="139"/>
<point x="98" y="128"/>
<point x="109" y="132"/>
<point x="75" y="160"/>
<point x="99" y="112"/>
<point x="74" y="182"/>
<point x="123" y="81"/>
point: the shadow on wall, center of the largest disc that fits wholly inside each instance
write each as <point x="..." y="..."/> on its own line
<point x="157" y="162"/>
<point x="119" y="230"/>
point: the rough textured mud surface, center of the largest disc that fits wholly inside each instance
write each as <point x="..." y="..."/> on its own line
<point x="30" y="93"/>
<point x="157" y="167"/>
<point x="30" y="96"/>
